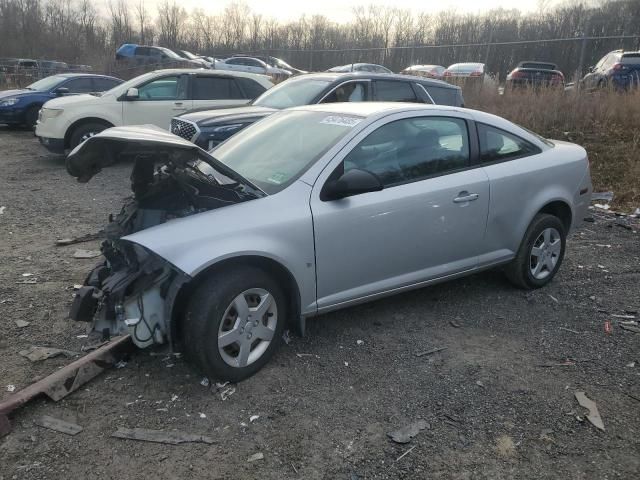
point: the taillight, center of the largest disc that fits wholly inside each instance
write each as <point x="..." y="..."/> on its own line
<point x="476" y="74"/>
<point x="557" y="78"/>
<point x="517" y="74"/>
<point x="617" y="67"/>
<point x="447" y="73"/>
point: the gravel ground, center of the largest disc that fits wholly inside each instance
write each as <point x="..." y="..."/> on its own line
<point x="499" y="400"/>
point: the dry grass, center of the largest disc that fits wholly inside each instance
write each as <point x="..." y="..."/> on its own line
<point x="606" y="123"/>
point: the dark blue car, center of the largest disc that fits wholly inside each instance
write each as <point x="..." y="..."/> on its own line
<point x="619" y="70"/>
<point x="21" y="107"/>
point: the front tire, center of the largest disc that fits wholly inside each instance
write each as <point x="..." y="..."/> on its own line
<point x="85" y="131"/>
<point x="540" y="254"/>
<point x="31" y="116"/>
<point x="234" y="323"/>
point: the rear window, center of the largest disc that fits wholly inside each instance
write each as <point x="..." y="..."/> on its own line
<point x="631" y="58"/>
<point x="394" y="91"/>
<point x="539" y="66"/>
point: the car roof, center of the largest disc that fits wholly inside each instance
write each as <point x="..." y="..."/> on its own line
<point x="205" y="71"/>
<point x="344" y="76"/>
<point x="368" y="109"/>
<point x="69" y="75"/>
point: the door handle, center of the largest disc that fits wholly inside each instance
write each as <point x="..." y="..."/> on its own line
<point x="465" y="197"/>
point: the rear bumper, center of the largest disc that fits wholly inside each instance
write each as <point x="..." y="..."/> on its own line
<point x="54" y="145"/>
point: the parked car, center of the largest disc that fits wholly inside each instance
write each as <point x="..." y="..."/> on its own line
<point x="470" y="75"/>
<point x="618" y="69"/>
<point x="535" y="74"/>
<point x="429" y="71"/>
<point x="208" y="128"/>
<point x="18" y="65"/>
<point x="151" y="55"/>
<point x="51" y="67"/>
<point x="80" y="68"/>
<point x="317" y="208"/>
<point x="190" y="56"/>
<point x="21" y="106"/>
<point x="276" y="63"/>
<point x="251" y="65"/>
<point x="152" y="98"/>
<point x="360" y="67"/>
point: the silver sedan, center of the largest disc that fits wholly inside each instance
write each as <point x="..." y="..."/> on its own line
<point x="314" y="209"/>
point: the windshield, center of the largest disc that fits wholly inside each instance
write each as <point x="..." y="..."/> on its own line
<point x="274" y="152"/>
<point x="292" y="93"/>
<point x="46" y="84"/>
<point x="170" y="53"/>
<point x="133" y="83"/>
<point x="189" y="55"/>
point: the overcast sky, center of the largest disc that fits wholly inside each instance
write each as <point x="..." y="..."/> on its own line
<point x="340" y="10"/>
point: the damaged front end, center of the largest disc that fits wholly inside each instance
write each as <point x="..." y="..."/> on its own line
<point x="134" y="290"/>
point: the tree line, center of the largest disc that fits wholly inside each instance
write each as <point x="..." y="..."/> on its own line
<point x="75" y="32"/>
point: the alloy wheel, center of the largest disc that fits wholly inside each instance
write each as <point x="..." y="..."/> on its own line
<point x="545" y="253"/>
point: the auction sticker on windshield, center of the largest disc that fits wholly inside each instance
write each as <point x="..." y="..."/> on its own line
<point x="341" y="121"/>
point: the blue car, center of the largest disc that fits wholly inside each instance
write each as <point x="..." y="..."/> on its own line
<point x="619" y="70"/>
<point x="21" y="107"/>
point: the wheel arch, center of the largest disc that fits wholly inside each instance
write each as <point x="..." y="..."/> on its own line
<point x="72" y="128"/>
<point x="272" y="267"/>
<point x="560" y="209"/>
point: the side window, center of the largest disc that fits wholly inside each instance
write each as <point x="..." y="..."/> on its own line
<point x="164" y="88"/>
<point x="348" y="92"/>
<point x="104" y="84"/>
<point x="235" y="61"/>
<point x="79" y="85"/>
<point x="253" y="62"/>
<point x="215" y="88"/>
<point x="141" y="52"/>
<point x="252" y="89"/>
<point x="498" y="145"/>
<point x="394" y="91"/>
<point x="412" y="149"/>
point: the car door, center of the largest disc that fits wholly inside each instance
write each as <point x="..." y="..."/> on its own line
<point x="158" y="101"/>
<point x="428" y="222"/>
<point x="209" y="90"/>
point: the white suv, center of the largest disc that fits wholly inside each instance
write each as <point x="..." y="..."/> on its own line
<point x="152" y="98"/>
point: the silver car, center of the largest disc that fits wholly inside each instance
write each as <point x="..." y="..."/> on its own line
<point x="314" y="209"/>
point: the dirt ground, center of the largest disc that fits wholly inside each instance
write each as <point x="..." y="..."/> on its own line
<point x="499" y="400"/>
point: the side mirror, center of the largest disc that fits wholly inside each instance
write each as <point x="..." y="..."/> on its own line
<point x="353" y="182"/>
<point x="132" y="94"/>
<point x="61" y="91"/>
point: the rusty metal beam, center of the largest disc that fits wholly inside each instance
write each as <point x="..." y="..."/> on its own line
<point x="68" y="379"/>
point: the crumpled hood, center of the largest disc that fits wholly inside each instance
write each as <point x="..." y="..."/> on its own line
<point x="148" y="141"/>
<point x="14" y="93"/>
<point x="210" y="116"/>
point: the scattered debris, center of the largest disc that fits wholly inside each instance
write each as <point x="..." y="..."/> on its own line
<point x="430" y="352"/>
<point x="89" y="348"/>
<point x="22" y="323"/>
<point x="227" y="392"/>
<point x="359" y="342"/>
<point x="630" y="328"/>
<point x="86" y="254"/>
<point x="406" y="433"/>
<point x="601" y="245"/>
<point x="606" y="196"/>
<point x="58" y="425"/>
<point x="480" y="384"/>
<point x="11" y="388"/>
<point x="346" y="364"/>
<point x="505" y="446"/>
<point x="286" y="337"/>
<point x="253" y="418"/>
<point x="594" y="415"/>
<point x="255" y="457"/>
<point x="159" y="436"/>
<point x="202" y="415"/>
<point x="121" y="364"/>
<point x="2" y="209"/>
<point x="406" y="453"/>
<point x="81" y="239"/>
<point x="553" y="298"/>
<point x="602" y="206"/>
<point x="569" y="330"/>
<point x="82" y="336"/>
<point x="630" y="364"/>
<point x="454" y="324"/>
<point x="27" y="274"/>
<point x="204" y="382"/>
<point x="174" y="398"/>
<point x="624" y="317"/>
<point x="37" y="354"/>
<point x="607" y="327"/>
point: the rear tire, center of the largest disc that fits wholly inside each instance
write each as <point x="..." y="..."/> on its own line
<point x="540" y="254"/>
<point x="85" y="131"/>
<point x="224" y="338"/>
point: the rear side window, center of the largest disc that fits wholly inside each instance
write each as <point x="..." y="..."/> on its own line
<point x="215" y="88"/>
<point x="348" y="92"/>
<point x="390" y="91"/>
<point x="444" y="96"/>
<point x="497" y="145"/>
<point x="79" y="85"/>
<point x="252" y="89"/>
